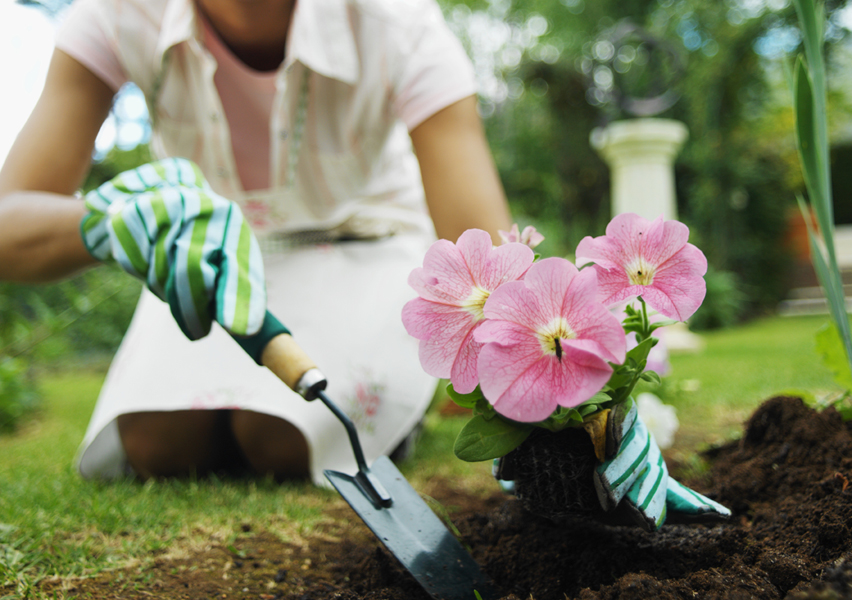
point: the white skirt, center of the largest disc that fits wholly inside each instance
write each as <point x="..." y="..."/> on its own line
<point x="343" y="304"/>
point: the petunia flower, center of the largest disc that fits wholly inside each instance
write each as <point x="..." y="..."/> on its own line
<point x="638" y="257"/>
<point x="547" y="342"/>
<point x="453" y="284"/>
<point x="530" y="237"/>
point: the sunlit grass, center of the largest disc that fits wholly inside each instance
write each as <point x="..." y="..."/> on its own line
<point x="54" y="523"/>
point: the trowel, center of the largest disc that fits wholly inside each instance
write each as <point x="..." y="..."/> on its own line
<point x="379" y="494"/>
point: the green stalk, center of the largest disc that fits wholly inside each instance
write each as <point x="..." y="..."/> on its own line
<point x="810" y="111"/>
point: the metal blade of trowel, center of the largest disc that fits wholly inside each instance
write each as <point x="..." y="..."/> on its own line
<point x="380" y="495"/>
<point x="415" y="535"/>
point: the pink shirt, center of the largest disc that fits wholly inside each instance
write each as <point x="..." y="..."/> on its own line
<point x="375" y="70"/>
<point x="247" y="99"/>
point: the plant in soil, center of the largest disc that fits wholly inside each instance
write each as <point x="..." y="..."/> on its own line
<point x="535" y="348"/>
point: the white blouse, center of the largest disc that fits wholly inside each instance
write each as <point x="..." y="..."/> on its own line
<point x="365" y="72"/>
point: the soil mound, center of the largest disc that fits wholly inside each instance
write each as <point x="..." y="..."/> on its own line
<point x="787" y="482"/>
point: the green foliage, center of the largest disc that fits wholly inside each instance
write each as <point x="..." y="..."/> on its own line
<point x="724" y="303"/>
<point x="830" y="347"/>
<point x="810" y="105"/>
<point x="17" y="393"/>
<point x="486" y="439"/>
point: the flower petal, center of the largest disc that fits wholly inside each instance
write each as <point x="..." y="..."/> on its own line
<point x="442" y="330"/>
<point x="444" y="276"/>
<point x="537" y="299"/>
<point x="463" y="374"/>
<point x="662" y="240"/>
<point x="475" y="246"/>
<point x="517" y="381"/>
<point x="505" y="263"/>
<point x="524" y="385"/>
<point x="588" y="371"/>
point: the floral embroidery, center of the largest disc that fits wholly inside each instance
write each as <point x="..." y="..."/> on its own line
<point x="365" y="403"/>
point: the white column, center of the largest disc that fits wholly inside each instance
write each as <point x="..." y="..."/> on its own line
<point x="640" y="154"/>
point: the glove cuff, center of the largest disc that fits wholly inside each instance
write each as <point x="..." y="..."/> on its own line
<point x="95" y="236"/>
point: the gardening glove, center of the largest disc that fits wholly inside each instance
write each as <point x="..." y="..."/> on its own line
<point x="164" y="224"/>
<point x="634" y="475"/>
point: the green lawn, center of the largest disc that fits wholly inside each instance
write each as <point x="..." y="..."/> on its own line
<point x="54" y="523"/>
<point x="716" y="389"/>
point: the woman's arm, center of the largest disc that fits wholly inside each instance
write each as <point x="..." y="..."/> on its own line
<point x="463" y="190"/>
<point x="39" y="219"/>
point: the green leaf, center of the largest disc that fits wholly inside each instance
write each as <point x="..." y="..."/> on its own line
<point x="587" y="409"/>
<point x="562" y="417"/>
<point x="832" y="285"/>
<point x="483" y="407"/>
<point x="621" y="376"/>
<point x="651" y="377"/>
<point x="808" y="144"/>
<point x="483" y="439"/>
<point x="465" y="400"/>
<point x="830" y="347"/>
<point x="596" y="400"/>
<point x="663" y="323"/>
<point x="639" y="354"/>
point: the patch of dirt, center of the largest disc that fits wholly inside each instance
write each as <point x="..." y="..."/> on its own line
<point x="787" y="481"/>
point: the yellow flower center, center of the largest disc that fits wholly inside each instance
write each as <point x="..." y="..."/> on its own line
<point x="550" y="335"/>
<point x="475" y="303"/>
<point x="639" y="272"/>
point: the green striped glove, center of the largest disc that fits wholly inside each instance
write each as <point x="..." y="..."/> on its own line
<point x="163" y="223"/>
<point x="636" y="476"/>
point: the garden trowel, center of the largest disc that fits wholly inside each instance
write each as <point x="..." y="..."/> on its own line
<point x="381" y="496"/>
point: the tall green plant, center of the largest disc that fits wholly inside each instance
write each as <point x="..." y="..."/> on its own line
<point x="809" y="102"/>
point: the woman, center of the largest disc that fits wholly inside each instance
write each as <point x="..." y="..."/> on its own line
<point x="345" y="130"/>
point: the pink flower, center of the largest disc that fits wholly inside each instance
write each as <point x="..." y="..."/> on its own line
<point x="547" y="342"/>
<point x="637" y="257"/>
<point x="454" y="283"/>
<point x="530" y="237"/>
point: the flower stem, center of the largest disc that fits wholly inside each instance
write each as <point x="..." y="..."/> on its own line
<point x="643" y="335"/>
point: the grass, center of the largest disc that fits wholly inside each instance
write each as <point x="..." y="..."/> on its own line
<point x="717" y="389"/>
<point x="53" y="523"/>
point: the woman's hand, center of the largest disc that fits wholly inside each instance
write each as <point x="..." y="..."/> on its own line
<point x="636" y="477"/>
<point x="164" y="224"/>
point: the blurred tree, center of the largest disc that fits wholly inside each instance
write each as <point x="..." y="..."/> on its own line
<point x="550" y="83"/>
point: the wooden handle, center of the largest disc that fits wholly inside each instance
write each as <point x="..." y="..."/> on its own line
<point x="284" y="357"/>
<point x="274" y="348"/>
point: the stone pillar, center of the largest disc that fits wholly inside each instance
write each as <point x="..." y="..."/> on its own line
<point x="640" y="154"/>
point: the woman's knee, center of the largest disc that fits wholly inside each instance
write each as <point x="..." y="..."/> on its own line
<point x="271" y="445"/>
<point x="173" y="443"/>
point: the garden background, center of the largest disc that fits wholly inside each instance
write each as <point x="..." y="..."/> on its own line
<point x="547" y="73"/>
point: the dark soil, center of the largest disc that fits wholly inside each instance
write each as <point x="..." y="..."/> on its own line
<point x="786" y="481"/>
